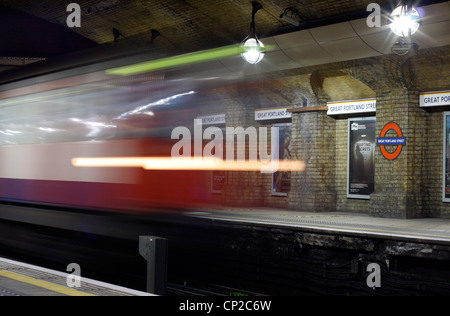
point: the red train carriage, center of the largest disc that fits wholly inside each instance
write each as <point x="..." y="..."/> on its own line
<point x="46" y="122"/>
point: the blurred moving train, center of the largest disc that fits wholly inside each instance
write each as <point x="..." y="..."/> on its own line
<point x="119" y="105"/>
<point x="78" y="110"/>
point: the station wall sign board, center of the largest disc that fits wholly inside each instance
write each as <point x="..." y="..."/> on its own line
<point x="434" y="98"/>
<point x="352" y="106"/>
<point x="273" y="114"/>
<point x="212" y="119"/>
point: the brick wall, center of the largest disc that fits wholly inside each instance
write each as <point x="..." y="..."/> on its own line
<point x="409" y="186"/>
<point x="430" y="71"/>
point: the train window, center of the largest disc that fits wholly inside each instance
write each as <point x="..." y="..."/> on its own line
<point x="85" y="112"/>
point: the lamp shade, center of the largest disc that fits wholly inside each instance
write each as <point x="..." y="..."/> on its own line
<point x="253" y="50"/>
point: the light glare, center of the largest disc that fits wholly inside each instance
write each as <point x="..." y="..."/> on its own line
<point x="404" y="22"/>
<point x="253" y="51"/>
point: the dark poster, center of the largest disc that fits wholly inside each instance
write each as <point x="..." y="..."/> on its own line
<point x="281" y="180"/>
<point x="446" y="158"/>
<point x="361" y="157"/>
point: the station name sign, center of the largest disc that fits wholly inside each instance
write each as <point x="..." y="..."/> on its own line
<point x="213" y="119"/>
<point x="352" y="106"/>
<point x="435" y="98"/>
<point x="273" y="114"/>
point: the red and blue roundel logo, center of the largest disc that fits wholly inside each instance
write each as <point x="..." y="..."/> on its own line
<point x="398" y="141"/>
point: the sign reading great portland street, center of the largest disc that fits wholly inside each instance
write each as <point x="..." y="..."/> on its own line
<point x="352" y="106"/>
<point x="436" y="98"/>
<point x="273" y="114"/>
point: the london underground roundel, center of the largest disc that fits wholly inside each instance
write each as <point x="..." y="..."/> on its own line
<point x="398" y="141"/>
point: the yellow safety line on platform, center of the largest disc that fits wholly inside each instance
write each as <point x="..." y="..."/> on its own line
<point x="43" y="284"/>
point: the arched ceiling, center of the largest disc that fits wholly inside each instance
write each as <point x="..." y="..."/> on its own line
<point x="38" y="29"/>
<point x="187" y="24"/>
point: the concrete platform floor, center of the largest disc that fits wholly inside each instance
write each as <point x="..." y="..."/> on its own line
<point x="435" y="229"/>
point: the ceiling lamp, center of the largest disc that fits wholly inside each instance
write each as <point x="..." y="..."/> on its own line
<point x="405" y="20"/>
<point x="252" y="47"/>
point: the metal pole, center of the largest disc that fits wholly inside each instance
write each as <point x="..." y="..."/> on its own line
<point x="154" y="250"/>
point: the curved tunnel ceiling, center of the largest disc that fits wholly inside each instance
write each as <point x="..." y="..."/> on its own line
<point x="349" y="40"/>
<point x="334" y="43"/>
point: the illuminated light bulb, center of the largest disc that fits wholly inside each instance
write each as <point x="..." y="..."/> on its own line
<point x="253" y="51"/>
<point x="405" y="22"/>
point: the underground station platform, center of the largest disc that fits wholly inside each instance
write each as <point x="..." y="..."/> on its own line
<point x="339" y="223"/>
<point x="21" y="279"/>
<point x="255" y="249"/>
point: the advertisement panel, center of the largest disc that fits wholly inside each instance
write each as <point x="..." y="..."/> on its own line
<point x="218" y="177"/>
<point x="446" y="164"/>
<point x="361" y="153"/>
<point x="281" y="180"/>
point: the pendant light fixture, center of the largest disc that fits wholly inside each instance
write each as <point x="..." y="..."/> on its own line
<point x="252" y="47"/>
<point x="405" y="20"/>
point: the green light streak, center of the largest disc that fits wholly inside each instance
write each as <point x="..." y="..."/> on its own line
<point x="181" y="60"/>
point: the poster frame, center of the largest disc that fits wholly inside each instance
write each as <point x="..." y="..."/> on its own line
<point x="275" y="146"/>
<point x="365" y="118"/>
<point x="444" y="144"/>
<point x="214" y="172"/>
